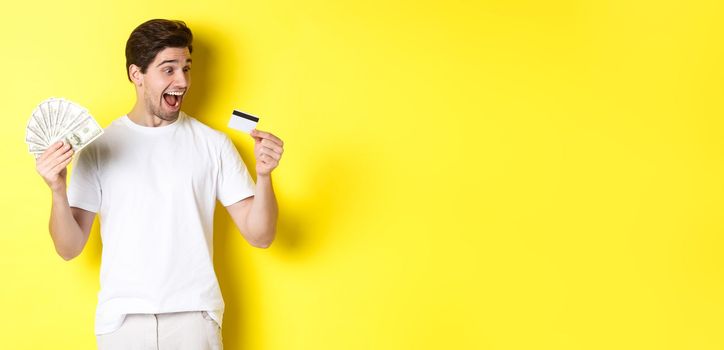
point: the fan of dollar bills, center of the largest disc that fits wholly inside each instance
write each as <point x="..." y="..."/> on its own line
<point x="58" y="119"/>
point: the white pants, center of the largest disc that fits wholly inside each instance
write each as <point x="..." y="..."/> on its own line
<point x="194" y="330"/>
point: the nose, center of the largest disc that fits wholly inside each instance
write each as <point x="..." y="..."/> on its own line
<point x="183" y="79"/>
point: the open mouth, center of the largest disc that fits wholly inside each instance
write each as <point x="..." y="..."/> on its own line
<point x="173" y="98"/>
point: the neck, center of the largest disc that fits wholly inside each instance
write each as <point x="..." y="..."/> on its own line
<point x="140" y="115"/>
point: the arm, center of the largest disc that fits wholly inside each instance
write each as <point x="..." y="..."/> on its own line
<point x="69" y="227"/>
<point x="256" y="216"/>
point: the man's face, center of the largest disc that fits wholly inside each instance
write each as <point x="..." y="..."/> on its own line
<point x="166" y="82"/>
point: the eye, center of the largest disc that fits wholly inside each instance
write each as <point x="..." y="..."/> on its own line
<point x="186" y="69"/>
<point x="168" y="70"/>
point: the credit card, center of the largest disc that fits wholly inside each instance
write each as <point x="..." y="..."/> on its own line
<point x="243" y="121"/>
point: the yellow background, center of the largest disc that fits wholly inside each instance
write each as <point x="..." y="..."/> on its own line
<point x="457" y="175"/>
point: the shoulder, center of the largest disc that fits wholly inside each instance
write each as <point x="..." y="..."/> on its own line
<point x="114" y="128"/>
<point x="202" y="130"/>
<point x="112" y="135"/>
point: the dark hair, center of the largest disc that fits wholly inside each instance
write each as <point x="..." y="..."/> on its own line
<point x="148" y="39"/>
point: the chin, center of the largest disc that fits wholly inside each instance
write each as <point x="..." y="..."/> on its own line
<point x="169" y="118"/>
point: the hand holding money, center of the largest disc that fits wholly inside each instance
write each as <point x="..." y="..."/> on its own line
<point x="56" y="130"/>
<point x="51" y="165"/>
<point x="57" y="119"/>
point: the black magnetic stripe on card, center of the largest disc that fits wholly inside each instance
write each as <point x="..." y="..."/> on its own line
<point x="246" y="116"/>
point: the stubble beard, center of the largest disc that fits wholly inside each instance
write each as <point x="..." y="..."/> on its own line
<point x="157" y="110"/>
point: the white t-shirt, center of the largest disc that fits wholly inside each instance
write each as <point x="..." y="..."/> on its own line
<point x="155" y="189"/>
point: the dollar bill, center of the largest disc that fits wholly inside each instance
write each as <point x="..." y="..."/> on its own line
<point x="37" y="119"/>
<point x="57" y="119"/>
<point x="61" y="109"/>
<point x="78" y="120"/>
<point x="33" y="148"/>
<point x="45" y="117"/>
<point x="32" y="139"/>
<point x="83" y="134"/>
<point x="34" y="129"/>
<point x="53" y="107"/>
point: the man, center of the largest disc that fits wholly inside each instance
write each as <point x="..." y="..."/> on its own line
<point x="154" y="177"/>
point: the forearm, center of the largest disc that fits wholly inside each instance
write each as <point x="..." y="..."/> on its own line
<point x="64" y="230"/>
<point x="262" y="216"/>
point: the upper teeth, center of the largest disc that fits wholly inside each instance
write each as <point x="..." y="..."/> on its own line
<point x="175" y="93"/>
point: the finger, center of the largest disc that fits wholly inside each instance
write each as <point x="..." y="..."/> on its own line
<point x="55" y="157"/>
<point x="45" y="165"/>
<point x="58" y="168"/>
<point x="57" y="165"/>
<point x="52" y="148"/>
<point x="267" y="159"/>
<point x="270" y="152"/>
<point x="271" y="141"/>
<point x="62" y="158"/>
<point x="60" y="151"/>
<point x="273" y="145"/>
<point x="266" y="135"/>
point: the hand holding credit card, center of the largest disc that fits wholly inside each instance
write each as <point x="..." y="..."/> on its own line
<point x="268" y="148"/>
<point x="243" y="121"/>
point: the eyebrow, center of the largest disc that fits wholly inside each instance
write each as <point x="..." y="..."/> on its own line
<point x="171" y="61"/>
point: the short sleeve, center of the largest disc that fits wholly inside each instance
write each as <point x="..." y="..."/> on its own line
<point x="84" y="190"/>
<point x="234" y="182"/>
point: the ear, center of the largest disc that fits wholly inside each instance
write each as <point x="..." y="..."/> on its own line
<point x="134" y="72"/>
